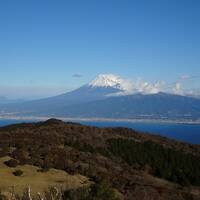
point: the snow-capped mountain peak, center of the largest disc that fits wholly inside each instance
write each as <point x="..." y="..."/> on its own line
<point x="107" y="80"/>
<point x="124" y="86"/>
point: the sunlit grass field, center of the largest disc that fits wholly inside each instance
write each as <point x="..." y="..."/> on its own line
<point x="38" y="181"/>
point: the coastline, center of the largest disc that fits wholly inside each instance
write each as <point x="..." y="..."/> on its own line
<point x="79" y="119"/>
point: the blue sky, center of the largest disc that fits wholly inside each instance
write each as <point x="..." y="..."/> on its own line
<point x="43" y="43"/>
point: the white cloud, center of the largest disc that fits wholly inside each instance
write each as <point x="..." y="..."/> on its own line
<point x="127" y="86"/>
<point x="186" y="85"/>
<point x="149" y="88"/>
<point x="185" y="77"/>
<point x="77" y="75"/>
<point x="177" y="89"/>
<point x="194" y="92"/>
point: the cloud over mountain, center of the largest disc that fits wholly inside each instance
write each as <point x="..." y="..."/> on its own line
<point x="138" y="85"/>
<point x="126" y="86"/>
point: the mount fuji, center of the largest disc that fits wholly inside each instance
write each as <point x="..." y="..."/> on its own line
<point x="98" y="89"/>
<point x="109" y="96"/>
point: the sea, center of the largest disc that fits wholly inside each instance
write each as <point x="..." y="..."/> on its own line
<point x="189" y="133"/>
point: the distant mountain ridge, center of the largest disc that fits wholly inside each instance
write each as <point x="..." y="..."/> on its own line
<point x="108" y="96"/>
<point x="138" y="106"/>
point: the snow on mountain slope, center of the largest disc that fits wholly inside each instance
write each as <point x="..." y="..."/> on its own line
<point x="112" y="81"/>
<point x="109" y="96"/>
<point x="107" y="80"/>
<point x="125" y="87"/>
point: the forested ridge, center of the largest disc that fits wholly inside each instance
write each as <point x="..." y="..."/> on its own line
<point x="124" y="160"/>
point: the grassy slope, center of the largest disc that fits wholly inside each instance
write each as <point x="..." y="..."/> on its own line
<point x="39" y="181"/>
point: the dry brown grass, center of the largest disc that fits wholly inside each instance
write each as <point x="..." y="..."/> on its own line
<point x="38" y="181"/>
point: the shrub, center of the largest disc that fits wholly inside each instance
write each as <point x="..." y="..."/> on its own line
<point x="18" y="172"/>
<point x="11" y="163"/>
<point x="2" y="197"/>
<point x="98" y="191"/>
<point x="103" y="191"/>
<point x="78" y="194"/>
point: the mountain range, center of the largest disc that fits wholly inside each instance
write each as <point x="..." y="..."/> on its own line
<point x="109" y="96"/>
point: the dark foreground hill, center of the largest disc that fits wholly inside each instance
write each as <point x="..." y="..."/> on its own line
<point x="134" y="165"/>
